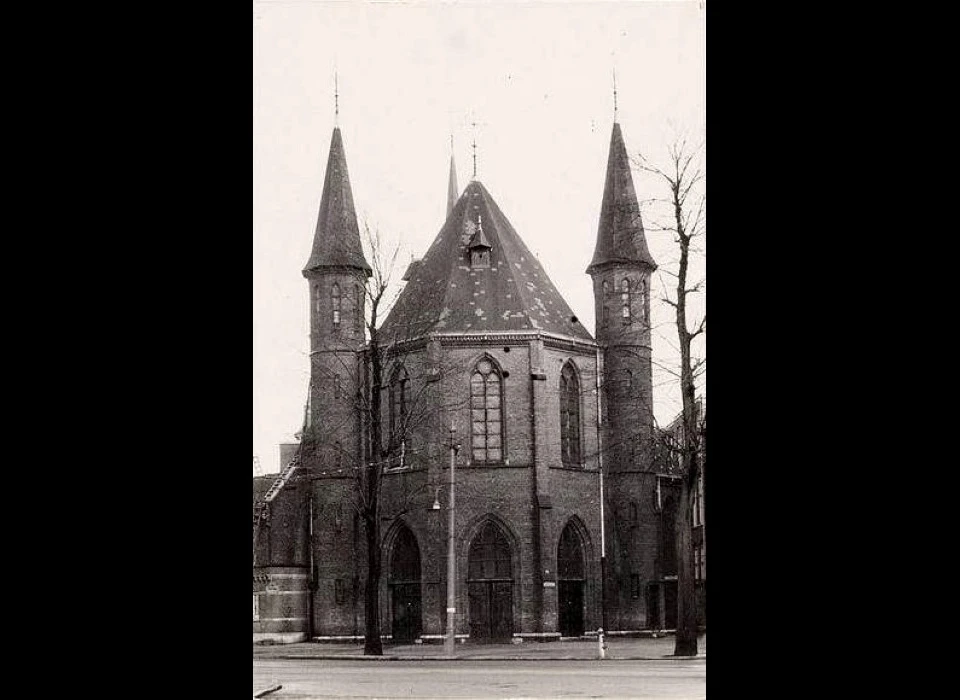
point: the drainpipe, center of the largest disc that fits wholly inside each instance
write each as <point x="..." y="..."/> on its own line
<point x="311" y="580"/>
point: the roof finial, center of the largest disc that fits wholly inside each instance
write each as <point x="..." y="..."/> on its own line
<point x="474" y="150"/>
<point x="614" y="95"/>
<point x="336" y="98"/>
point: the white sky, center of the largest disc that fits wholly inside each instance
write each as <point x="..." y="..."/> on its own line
<point x="536" y="77"/>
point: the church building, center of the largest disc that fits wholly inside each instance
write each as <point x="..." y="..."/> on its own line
<point x="486" y="366"/>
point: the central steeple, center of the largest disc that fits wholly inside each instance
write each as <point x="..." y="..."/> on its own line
<point x="453" y="191"/>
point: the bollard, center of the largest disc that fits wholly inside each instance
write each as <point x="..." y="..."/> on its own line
<point x="601" y="645"/>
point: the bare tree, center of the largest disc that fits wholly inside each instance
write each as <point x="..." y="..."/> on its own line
<point x="385" y="364"/>
<point x="684" y="178"/>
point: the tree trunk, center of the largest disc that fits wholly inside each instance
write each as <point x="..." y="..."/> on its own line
<point x="372" y="644"/>
<point x="686" y="639"/>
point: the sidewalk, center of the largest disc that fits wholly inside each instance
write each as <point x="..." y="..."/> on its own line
<point x="618" y="649"/>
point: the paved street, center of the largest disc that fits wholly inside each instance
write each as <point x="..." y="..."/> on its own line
<point x="324" y="678"/>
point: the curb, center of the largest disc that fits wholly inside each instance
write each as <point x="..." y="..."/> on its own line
<point x="385" y="657"/>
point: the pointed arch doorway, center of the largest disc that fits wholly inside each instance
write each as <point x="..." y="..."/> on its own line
<point x="405" y="588"/>
<point x="570" y="587"/>
<point x="490" y="586"/>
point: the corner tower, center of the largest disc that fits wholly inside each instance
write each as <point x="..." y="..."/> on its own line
<point x="621" y="270"/>
<point x="336" y="273"/>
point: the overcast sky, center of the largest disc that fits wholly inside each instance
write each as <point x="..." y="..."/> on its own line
<point x="536" y="77"/>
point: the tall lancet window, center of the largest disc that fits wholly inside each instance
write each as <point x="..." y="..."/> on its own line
<point x="569" y="416"/>
<point x="625" y="301"/>
<point x="317" y="306"/>
<point x="486" y="412"/>
<point x="399" y="398"/>
<point x="335" y="299"/>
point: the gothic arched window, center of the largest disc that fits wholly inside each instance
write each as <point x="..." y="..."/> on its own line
<point x="569" y="556"/>
<point x="569" y="416"/>
<point x="399" y="398"/>
<point x="316" y="300"/>
<point x="405" y="560"/>
<point x="489" y="556"/>
<point x="486" y="412"/>
<point x="625" y="301"/>
<point x="335" y="298"/>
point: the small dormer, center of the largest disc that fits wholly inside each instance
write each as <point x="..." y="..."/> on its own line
<point x="479" y="247"/>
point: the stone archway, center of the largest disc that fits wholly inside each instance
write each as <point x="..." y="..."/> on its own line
<point x="571" y="583"/>
<point x="490" y="586"/>
<point x="404" y="582"/>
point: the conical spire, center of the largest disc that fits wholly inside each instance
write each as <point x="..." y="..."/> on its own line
<point x="453" y="192"/>
<point x="336" y="242"/>
<point x="620" y="237"/>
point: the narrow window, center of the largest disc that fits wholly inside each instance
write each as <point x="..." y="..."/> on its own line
<point x="316" y="300"/>
<point x="643" y="302"/>
<point x="358" y="294"/>
<point x="337" y="387"/>
<point x="256" y="607"/>
<point x="604" y="309"/>
<point x="335" y="298"/>
<point x="625" y="301"/>
<point x="634" y="585"/>
<point x="569" y="416"/>
<point x="338" y="591"/>
<point x="399" y="397"/>
<point x="486" y="413"/>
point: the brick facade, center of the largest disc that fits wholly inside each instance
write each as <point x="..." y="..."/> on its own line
<point x="313" y="543"/>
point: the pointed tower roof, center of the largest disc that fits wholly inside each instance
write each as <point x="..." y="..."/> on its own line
<point x="453" y="191"/>
<point x="620" y="237"/>
<point x="336" y="242"/>
<point x="446" y="294"/>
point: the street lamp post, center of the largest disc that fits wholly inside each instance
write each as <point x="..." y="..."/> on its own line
<point x="450" y="639"/>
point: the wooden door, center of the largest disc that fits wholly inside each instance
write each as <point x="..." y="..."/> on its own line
<point x="571" y="608"/>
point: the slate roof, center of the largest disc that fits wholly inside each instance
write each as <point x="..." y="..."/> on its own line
<point x="336" y="242"/>
<point x="620" y="237"/>
<point x="446" y="295"/>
